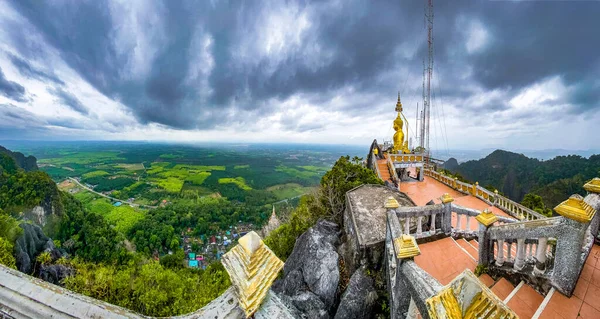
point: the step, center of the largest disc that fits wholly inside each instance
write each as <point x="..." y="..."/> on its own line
<point x="502" y="288"/>
<point x="524" y="300"/>
<point x="468" y="248"/>
<point x="487" y="280"/>
<point x="474" y="243"/>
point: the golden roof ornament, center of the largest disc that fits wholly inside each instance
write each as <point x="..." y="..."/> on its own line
<point x="593" y="186"/>
<point x="486" y="217"/>
<point x="406" y="247"/>
<point x="391" y="202"/>
<point x="467" y="297"/>
<point x="446" y="198"/>
<point x="398" y="104"/>
<point x="575" y="208"/>
<point x="252" y="268"/>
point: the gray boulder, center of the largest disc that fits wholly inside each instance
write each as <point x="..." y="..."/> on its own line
<point x="30" y="244"/>
<point x="55" y="273"/>
<point x="358" y="299"/>
<point x="311" y="274"/>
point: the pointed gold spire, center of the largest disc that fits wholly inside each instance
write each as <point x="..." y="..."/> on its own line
<point x="575" y="208"/>
<point x="252" y="268"/>
<point x="486" y="217"/>
<point x="398" y="104"/>
<point x="406" y="247"/>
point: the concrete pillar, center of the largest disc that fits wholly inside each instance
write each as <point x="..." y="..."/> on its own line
<point x="508" y="251"/>
<point x="520" y="259"/>
<point x="447" y="218"/>
<point x="568" y="256"/>
<point x="500" y="254"/>
<point x="484" y="245"/>
<point x="407" y="225"/>
<point x="458" y="218"/>
<point x="432" y="227"/>
<point x="540" y="256"/>
<point x="419" y="227"/>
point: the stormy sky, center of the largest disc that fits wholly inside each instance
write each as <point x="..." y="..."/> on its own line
<point x="507" y="74"/>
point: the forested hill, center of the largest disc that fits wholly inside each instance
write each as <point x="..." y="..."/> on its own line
<point x="516" y="175"/>
<point x="28" y="163"/>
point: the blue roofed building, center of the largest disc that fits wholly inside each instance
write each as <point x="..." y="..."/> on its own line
<point x="117" y="204"/>
<point x="193" y="263"/>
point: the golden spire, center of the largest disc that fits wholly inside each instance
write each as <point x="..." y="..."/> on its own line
<point x="398" y="104"/>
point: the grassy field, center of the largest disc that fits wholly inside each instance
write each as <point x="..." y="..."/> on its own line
<point x="289" y="190"/>
<point x="151" y="173"/>
<point x="239" y="181"/>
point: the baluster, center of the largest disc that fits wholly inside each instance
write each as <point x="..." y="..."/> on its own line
<point x="458" y="221"/>
<point x="500" y="252"/>
<point x="419" y="227"/>
<point x="407" y="225"/>
<point x="509" y="251"/>
<point x="540" y="256"/>
<point x="468" y="223"/>
<point x="520" y="259"/>
<point x="432" y="228"/>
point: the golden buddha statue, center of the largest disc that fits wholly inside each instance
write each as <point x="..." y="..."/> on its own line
<point x="400" y="145"/>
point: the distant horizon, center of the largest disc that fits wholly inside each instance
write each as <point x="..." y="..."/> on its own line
<point x="461" y="155"/>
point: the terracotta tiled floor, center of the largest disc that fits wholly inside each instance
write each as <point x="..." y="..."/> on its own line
<point x="430" y="189"/>
<point x="444" y="260"/>
<point x="502" y="288"/>
<point x="486" y="280"/>
<point x="525" y="302"/>
<point x="466" y="246"/>
<point x="585" y="302"/>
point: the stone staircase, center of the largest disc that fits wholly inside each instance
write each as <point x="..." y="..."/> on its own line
<point x="384" y="172"/>
<point x="445" y="258"/>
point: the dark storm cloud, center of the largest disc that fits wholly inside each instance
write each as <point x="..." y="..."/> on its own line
<point x="357" y="45"/>
<point x="32" y="72"/>
<point x="12" y="90"/>
<point x="68" y="99"/>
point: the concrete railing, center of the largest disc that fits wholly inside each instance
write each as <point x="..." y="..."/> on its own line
<point x="392" y="170"/>
<point x="375" y="166"/>
<point x="554" y="248"/>
<point x="549" y="248"/>
<point x="509" y="206"/>
<point x="413" y="292"/>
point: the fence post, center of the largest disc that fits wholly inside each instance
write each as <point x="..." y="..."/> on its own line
<point x="447" y="215"/>
<point x="485" y="219"/>
<point x="568" y="246"/>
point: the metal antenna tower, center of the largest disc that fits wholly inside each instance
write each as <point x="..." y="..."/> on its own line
<point x="427" y="73"/>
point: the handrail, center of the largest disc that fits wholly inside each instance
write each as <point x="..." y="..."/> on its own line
<point x="392" y="170"/>
<point x="507" y="205"/>
<point x="376" y="167"/>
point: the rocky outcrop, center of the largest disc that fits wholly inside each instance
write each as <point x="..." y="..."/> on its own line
<point x="30" y="244"/>
<point x="451" y="164"/>
<point x="311" y="274"/>
<point x="55" y="274"/>
<point x="28" y="163"/>
<point x="358" y="299"/>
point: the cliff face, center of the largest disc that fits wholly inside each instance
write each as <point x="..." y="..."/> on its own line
<point x="28" y="163"/>
<point x="27" y="192"/>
